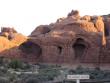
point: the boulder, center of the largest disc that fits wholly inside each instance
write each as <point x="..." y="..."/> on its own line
<point x="99" y="24"/>
<point x="8" y="32"/>
<point x="86" y="17"/>
<point x="8" y="29"/>
<point x="42" y="29"/>
<point x="74" y="14"/>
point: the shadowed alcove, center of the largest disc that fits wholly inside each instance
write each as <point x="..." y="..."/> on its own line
<point x="31" y="48"/>
<point x="79" y="48"/>
<point x="59" y="49"/>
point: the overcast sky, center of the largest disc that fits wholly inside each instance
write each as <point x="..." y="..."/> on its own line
<point x="26" y="15"/>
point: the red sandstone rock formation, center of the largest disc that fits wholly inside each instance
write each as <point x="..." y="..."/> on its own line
<point x="73" y="39"/>
<point x="9" y="42"/>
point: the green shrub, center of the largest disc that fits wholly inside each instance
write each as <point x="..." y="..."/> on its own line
<point x="15" y="64"/>
<point x="4" y="80"/>
<point x="32" y="80"/>
<point x="1" y="60"/>
<point x="48" y="73"/>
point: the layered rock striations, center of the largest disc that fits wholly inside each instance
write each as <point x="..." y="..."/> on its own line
<point x="71" y="39"/>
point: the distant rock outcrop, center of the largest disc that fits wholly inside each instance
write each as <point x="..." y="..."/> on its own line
<point x="8" y="32"/>
<point x="74" y="14"/>
<point x="9" y="42"/>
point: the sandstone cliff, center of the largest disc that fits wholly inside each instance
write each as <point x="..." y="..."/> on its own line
<point x="71" y="39"/>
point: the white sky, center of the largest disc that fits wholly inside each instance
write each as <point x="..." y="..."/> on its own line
<point x="26" y="15"/>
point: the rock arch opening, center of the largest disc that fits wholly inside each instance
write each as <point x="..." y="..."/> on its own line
<point x="31" y="48"/>
<point x="79" y="48"/>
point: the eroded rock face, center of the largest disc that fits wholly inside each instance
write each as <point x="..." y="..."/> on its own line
<point x="9" y="42"/>
<point x="8" y="32"/>
<point x="74" y="14"/>
<point x="40" y="30"/>
<point x="71" y="39"/>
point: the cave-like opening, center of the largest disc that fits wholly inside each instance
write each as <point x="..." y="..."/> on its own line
<point x="31" y="48"/>
<point x="79" y="48"/>
<point x="59" y="49"/>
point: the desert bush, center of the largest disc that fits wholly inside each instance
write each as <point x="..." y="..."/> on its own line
<point x="95" y="73"/>
<point x="42" y="66"/>
<point x="1" y="60"/>
<point x="32" y="80"/>
<point x="15" y="64"/>
<point x="13" y="77"/>
<point x="49" y="73"/>
<point x="4" y="80"/>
